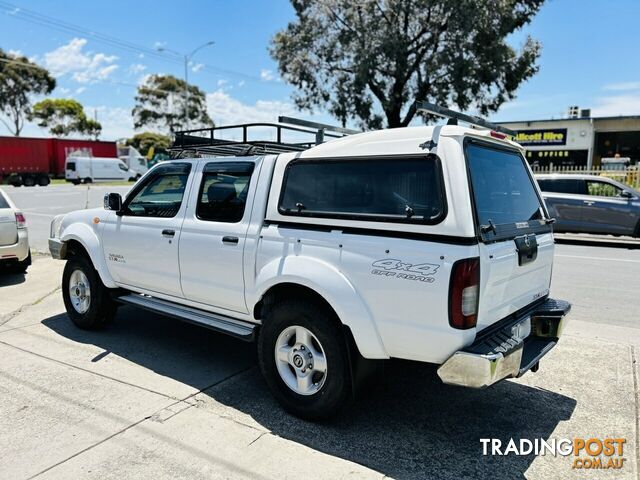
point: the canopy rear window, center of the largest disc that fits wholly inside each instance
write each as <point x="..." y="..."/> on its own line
<point x="390" y="189"/>
<point x="503" y="190"/>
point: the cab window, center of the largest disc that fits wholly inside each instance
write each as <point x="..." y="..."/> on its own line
<point x="223" y="192"/>
<point x="161" y="194"/>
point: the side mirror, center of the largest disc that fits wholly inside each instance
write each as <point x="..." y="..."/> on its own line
<point x="113" y="201"/>
<point x="626" y="194"/>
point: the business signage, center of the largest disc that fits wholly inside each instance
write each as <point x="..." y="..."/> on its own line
<point x="551" y="136"/>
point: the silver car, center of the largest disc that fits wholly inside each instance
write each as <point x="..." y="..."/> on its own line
<point x="591" y="204"/>
<point x="14" y="241"/>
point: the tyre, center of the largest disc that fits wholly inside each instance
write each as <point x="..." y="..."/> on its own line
<point x="304" y="358"/>
<point x="75" y="182"/>
<point x="86" y="299"/>
<point x="88" y="180"/>
<point x="43" y="180"/>
<point x="22" y="266"/>
<point x="29" y="181"/>
<point x="637" y="232"/>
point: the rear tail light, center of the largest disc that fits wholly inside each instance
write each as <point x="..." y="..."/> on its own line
<point x="463" y="293"/>
<point x="20" y="220"/>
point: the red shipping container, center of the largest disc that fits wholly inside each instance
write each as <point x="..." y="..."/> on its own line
<point x="24" y="155"/>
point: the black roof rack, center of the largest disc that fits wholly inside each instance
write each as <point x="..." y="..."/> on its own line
<point x="455" y="116"/>
<point x="258" y="138"/>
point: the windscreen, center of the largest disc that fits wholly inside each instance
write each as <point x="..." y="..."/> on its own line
<point x="503" y="190"/>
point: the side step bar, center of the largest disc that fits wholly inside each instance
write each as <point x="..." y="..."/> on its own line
<point x="236" y="328"/>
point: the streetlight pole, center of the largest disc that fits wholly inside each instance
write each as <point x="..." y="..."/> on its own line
<point x="187" y="59"/>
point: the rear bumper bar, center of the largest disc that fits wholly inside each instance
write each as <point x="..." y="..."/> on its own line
<point x="508" y="349"/>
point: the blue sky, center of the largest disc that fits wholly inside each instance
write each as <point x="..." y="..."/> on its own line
<point x="589" y="57"/>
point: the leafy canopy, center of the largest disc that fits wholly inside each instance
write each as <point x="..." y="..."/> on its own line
<point x="161" y="103"/>
<point x="370" y="60"/>
<point x="145" y="140"/>
<point x="63" y="117"/>
<point x="20" y="80"/>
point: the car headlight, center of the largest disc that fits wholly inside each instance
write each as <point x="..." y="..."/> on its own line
<point x="56" y="226"/>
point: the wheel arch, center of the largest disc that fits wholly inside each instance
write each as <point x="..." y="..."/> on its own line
<point x="79" y="236"/>
<point x="331" y="288"/>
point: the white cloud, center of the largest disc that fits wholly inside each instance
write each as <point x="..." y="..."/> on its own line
<point x="266" y="74"/>
<point x="63" y="90"/>
<point x="623" y="86"/>
<point x="222" y="82"/>
<point x="83" y="67"/>
<point x="136" y="68"/>
<point x="158" y="45"/>
<point x="117" y="122"/>
<point x="15" y="53"/>
<point x="617" y="105"/>
<point x="241" y="83"/>
<point x="79" y="90"/>
<point x="197" y="67"/>
<point x="226" y="110"/>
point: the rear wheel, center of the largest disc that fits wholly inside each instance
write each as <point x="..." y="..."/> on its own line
<point x="86" y="299"/>
<point x="29" y="181"/>
<point x="43" y="180"/>
<point x="304" y="359"/>
<point x="88" y="180"/>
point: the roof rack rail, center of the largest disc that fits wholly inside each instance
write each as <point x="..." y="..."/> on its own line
<point x="454" y="116"/>
<point x="257" y="138"/>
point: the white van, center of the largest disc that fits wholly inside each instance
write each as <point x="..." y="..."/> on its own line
<point x="96" y="169"/>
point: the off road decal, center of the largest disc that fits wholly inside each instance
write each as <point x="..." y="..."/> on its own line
<point x="390" y="267"/>
<point x="114" y="257"/>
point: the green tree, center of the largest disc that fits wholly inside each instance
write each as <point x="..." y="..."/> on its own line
<point x="20" y="80"/>
<point x="161" y="103"/>
<point x="145" y="140"/>
<point x="369" y="60"/>
<point x="63" y="117"/>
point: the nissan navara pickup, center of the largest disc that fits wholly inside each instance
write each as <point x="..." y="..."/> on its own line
<point x="430" y="244"/>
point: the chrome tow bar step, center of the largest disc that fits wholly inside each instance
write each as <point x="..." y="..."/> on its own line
<point x="220" y="323"/>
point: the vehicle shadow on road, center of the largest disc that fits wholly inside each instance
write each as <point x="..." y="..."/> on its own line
<point x="8" y="279"/>
<point x="409" y="426"/>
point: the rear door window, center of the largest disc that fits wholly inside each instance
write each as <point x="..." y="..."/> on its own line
<point x="503" y="190"/>
<point x="3" y="202"/>
<point x="398" y="189"/>
<point x="223" y="193"/>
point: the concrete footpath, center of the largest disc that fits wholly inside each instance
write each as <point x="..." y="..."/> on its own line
<point x="150" y="397"/>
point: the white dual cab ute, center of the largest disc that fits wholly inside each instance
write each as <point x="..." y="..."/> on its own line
<point x="430" y="244"/>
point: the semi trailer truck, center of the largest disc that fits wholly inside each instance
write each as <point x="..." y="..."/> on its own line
<point x="34" y="161"/>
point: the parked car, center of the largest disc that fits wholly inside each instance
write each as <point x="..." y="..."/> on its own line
<point x="396" y="243"/>
<point x="591" y="204"/>
<point x="15" y="255"/>
<point x="97" y="169"/>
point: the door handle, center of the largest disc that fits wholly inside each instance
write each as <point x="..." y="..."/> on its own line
<point x="168" y="232"/>
<point x="232" y="240"/>
<point x="589" y="202"/>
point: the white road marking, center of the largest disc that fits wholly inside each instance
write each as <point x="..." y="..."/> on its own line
<point x="599" y="258"/>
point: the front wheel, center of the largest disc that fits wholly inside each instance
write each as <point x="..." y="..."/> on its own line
<point x="304" y="359"/>
<point x="86" y="299"/>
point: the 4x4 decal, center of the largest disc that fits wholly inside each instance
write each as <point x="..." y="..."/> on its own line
<point x="391" y="267"/>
